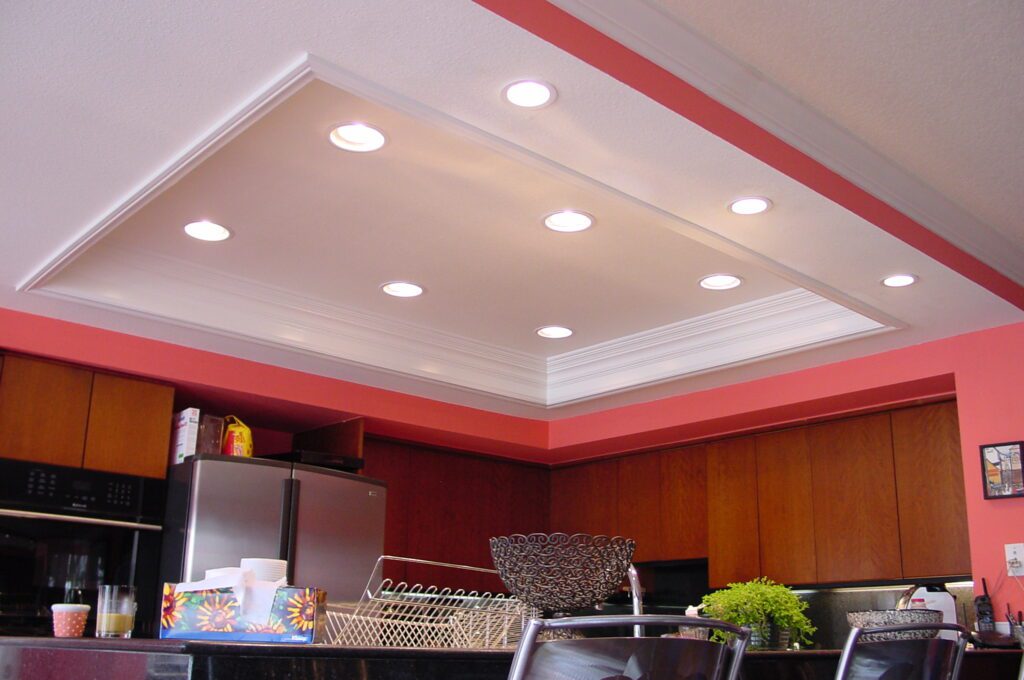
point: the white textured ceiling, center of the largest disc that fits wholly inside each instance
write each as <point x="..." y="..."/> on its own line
<point x="100" y="99"/>
<point x="936" y="86"/>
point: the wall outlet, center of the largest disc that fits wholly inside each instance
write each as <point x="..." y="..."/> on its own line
<point x="1015" y="559"/>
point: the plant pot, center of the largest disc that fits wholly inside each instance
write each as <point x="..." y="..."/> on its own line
<point x="770" y="637"/>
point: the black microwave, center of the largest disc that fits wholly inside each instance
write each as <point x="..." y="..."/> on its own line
<point x="66" y="531"/>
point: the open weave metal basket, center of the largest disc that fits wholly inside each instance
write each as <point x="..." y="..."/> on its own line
<point x="559" y="573"/>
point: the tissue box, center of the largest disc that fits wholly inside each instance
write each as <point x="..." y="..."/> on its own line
<point x="297" y="616"/>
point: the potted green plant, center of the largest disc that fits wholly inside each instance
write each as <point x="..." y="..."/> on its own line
<point x="773" y="612"/>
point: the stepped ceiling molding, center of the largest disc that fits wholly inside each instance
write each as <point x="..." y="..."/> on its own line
<point x="455" y="201"/>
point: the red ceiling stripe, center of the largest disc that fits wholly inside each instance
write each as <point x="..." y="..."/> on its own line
<point x="584" y="42"/>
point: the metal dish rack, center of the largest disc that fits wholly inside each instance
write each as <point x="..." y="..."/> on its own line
<point x="400" y="615"/>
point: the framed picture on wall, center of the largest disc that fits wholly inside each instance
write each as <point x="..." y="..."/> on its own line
<point x="1000" y="470"/>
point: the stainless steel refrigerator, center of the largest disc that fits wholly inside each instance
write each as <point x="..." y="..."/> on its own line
<point x="329" y="525"/>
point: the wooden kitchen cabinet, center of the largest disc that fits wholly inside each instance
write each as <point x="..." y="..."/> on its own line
<point x="733" y="538"/>
<point x="785" y="507"/>
<point x="44" y="409"/>
<point x="640" y="511"/>
<point x="930" y="485"/>
<point x="584" y="498"/>
<point x="684" y="504"/>
<point x="129" y="426"/>
<point x="856" y="527"/>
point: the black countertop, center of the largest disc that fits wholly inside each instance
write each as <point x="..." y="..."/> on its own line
<point x="84" y="659"/>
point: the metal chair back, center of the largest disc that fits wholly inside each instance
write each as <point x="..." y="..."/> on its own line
<point x="915" y="659"/>
<point x="650" y="658"/>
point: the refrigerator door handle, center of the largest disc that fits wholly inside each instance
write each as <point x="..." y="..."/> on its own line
<point x="289" y="520"/>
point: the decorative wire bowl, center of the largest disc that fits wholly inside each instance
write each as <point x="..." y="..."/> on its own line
<point x="559" y="573"/>
<point x="877" y="618"/>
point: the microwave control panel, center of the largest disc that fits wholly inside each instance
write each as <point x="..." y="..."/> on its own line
<point x="51" y="488"/>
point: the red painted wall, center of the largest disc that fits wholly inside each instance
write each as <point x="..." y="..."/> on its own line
<point x="984" y="369"/>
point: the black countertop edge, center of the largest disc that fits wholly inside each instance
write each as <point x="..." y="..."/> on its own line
<point x="217" y="648"/>
<point x="100" y="644"/>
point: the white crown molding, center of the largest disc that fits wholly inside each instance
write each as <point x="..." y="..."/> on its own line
<point x="770" y="326"/>
<point x="659" y="37"/>
<point x="155" y="286"/>
<point x="184" y="293"/>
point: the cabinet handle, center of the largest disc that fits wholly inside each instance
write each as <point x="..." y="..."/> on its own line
<point x="28" y="514"/>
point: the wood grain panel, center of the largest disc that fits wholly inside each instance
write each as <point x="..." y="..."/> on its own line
<point x="684" y="504"/>
<point x="856" y="529"/>
<point x="391" y="463"/>
<point x="733" y="553"/>
<point x="44" y="408"/>
<point x="930" y="491"/>
<point x="785" y="507"/>
<point x="584" y="498"/>
<point x="639" y="503"/>
<point x="129" y="426"/>
<point x="445" y="506"/>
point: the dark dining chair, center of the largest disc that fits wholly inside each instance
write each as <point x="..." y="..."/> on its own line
<point x="934" y="658"/>
<point x="634" y="657"/>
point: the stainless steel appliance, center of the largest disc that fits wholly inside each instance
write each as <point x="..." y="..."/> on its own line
<point x="65" y="531"/>
<point x="329" y="525"/>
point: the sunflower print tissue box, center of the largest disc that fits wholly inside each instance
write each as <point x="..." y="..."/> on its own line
<point x="297" y="616"/>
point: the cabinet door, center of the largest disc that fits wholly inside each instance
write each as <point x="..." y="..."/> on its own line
<point x="785" y="508"/>
<point x="856" y="530"/>
<point x="684" y="504"/>
<point x="43" y="411"/>
<point x="129" y="426"/>
<point x="733" y="552"/>
<point x="584" y="498"/>
<point x="640" y="509"/>
<point x="930" y="486"/>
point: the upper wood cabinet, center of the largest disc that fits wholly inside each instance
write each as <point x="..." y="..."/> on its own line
<point x="584" y="498"/>
<point x="930" y="482"/>
<point x="640" y="511"/>
<point x="785" y="507"/>
<point x="733" y="542"/>
<point x="44" y="408"/>
<point x="65" y="415"/>
<point x="129" y="426"/>
<point x="684" y="502"/>
<point x="856" y="526"/>
<point x="658" y="498"/>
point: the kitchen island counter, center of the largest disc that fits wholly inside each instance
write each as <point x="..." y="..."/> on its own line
<point x="93" y="659"/>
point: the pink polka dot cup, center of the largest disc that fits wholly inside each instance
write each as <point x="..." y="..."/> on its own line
<point x="69" y="619"/>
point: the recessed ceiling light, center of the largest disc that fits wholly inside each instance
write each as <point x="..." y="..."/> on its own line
<point x="357" y="137"/>
<point x="750" y="205"/>
<point x="206" y="231"/>
<point x="899" y="280"/>
<point x="402" y="289"/>
<point x="568" y="221"/>
<point x="720" y="282"/>
<point x="554" y="332"/>
<point x="530" y="94"/>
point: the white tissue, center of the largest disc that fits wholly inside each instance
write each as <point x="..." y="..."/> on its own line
<point x="255" y="597"/>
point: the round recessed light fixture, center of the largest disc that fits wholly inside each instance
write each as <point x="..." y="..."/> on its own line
<point x="402" y="289"/>
<point x="899" y="280"/>
<point x="529" y="94"/>
<point x="568" y="221"/>
<point x="750" y="205"/>
<point x="357" y="137"/>
<point x="720" y="282"/>
<point x="205" y="230"/>
<point x="555" y="332"/>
